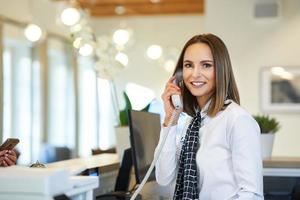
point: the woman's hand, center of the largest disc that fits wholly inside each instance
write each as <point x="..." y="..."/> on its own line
<point x="7" y="158"/>
<point x="170" y="89"/>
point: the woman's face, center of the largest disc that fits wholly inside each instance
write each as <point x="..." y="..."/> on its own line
<point x="199" y="72"/>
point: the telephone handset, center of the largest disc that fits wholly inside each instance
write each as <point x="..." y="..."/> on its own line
<point x="176" y="98"/>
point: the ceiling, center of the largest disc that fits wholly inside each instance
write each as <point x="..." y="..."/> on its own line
<point x="99" y="8"/>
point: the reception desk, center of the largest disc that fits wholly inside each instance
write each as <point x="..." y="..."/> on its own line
<point x="96" y="163"/>
<point x="282" y="166"/>
<point x="282" y="178"/>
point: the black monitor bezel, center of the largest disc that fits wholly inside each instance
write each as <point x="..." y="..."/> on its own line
<point x="134" y="155"/>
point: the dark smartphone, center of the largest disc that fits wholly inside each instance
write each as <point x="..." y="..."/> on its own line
<point x="9" y="144"/>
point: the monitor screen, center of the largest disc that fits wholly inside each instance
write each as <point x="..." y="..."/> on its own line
<point x="144" y="136"/>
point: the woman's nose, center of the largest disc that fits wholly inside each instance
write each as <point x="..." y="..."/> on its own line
<point x="197" y="71"/>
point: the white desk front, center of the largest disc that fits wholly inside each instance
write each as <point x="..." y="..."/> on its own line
<point x="23" y="183"/>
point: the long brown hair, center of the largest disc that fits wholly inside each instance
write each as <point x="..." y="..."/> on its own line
<point x="226" y="87"/>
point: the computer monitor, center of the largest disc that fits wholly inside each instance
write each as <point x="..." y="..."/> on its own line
<point x="144" y="135"/>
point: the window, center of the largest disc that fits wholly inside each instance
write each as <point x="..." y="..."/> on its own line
<point x="108" y="113"/>
<point x="61" y="106"/>
<point x="88" y="120"/>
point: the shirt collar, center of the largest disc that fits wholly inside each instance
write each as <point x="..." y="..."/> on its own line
<point x="205" y="108"/>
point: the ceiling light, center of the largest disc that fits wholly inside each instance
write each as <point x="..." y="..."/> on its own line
<point x="70" y="16"/>
<point x="33" y="32"/>
<point x="154" y="52"/>
<point x="122" y="58"/>
<point x="77" y="42"/>
<point x="155" y="1"/>
<point x="76" y="28"/>
<point x="86" y="50"/>
<point x="120" y="10"/>
<point x="169" y="65"/>
<point x="103" y="43"/>
<point x="121" y="36"/>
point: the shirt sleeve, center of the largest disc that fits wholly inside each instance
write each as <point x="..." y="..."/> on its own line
<point x="165" y="167"/>
<point x="246" y="158"/>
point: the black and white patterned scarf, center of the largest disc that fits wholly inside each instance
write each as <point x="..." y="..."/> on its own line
<point x="187" y="178"/>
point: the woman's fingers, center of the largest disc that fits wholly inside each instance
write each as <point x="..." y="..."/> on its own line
<point x="12" y="158"/>
<point x="3" y="152"/>
<point x="12" y="152"/>
<point x="171" y="79"/>
<point x="4" y="164"/>
<point x="9" y="161"/>
<point x="168" y="93"/>
<point x="173" y="85"/>
<point x="1" y="159"/>
<point x="8" y="158"/>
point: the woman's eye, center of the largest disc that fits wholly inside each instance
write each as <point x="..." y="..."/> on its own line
<point x="207" y="65"/>
<point x="187" y="65"/>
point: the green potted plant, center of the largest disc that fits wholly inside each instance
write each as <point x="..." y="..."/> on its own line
<point x="268" y="127"/>
<point x="123" y="115"/>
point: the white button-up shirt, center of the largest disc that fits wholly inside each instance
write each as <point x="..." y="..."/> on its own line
<point x="229" y="160"/>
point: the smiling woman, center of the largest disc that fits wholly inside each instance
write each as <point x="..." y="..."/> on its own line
<point x="219" y="147"/>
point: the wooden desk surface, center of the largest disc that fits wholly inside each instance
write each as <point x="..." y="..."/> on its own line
<point x="282" y="162"/>
<point x="103" y="162"/>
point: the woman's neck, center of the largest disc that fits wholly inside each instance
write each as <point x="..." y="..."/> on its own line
<point x="202" y="101"/>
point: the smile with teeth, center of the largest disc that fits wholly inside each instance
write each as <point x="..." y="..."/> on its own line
<point x="197" y="83"/>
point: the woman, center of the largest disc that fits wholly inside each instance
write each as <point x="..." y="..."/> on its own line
<point x="217" y="155"/>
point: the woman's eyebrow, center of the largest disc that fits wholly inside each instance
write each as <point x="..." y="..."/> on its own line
<point x="202" y="61"/>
